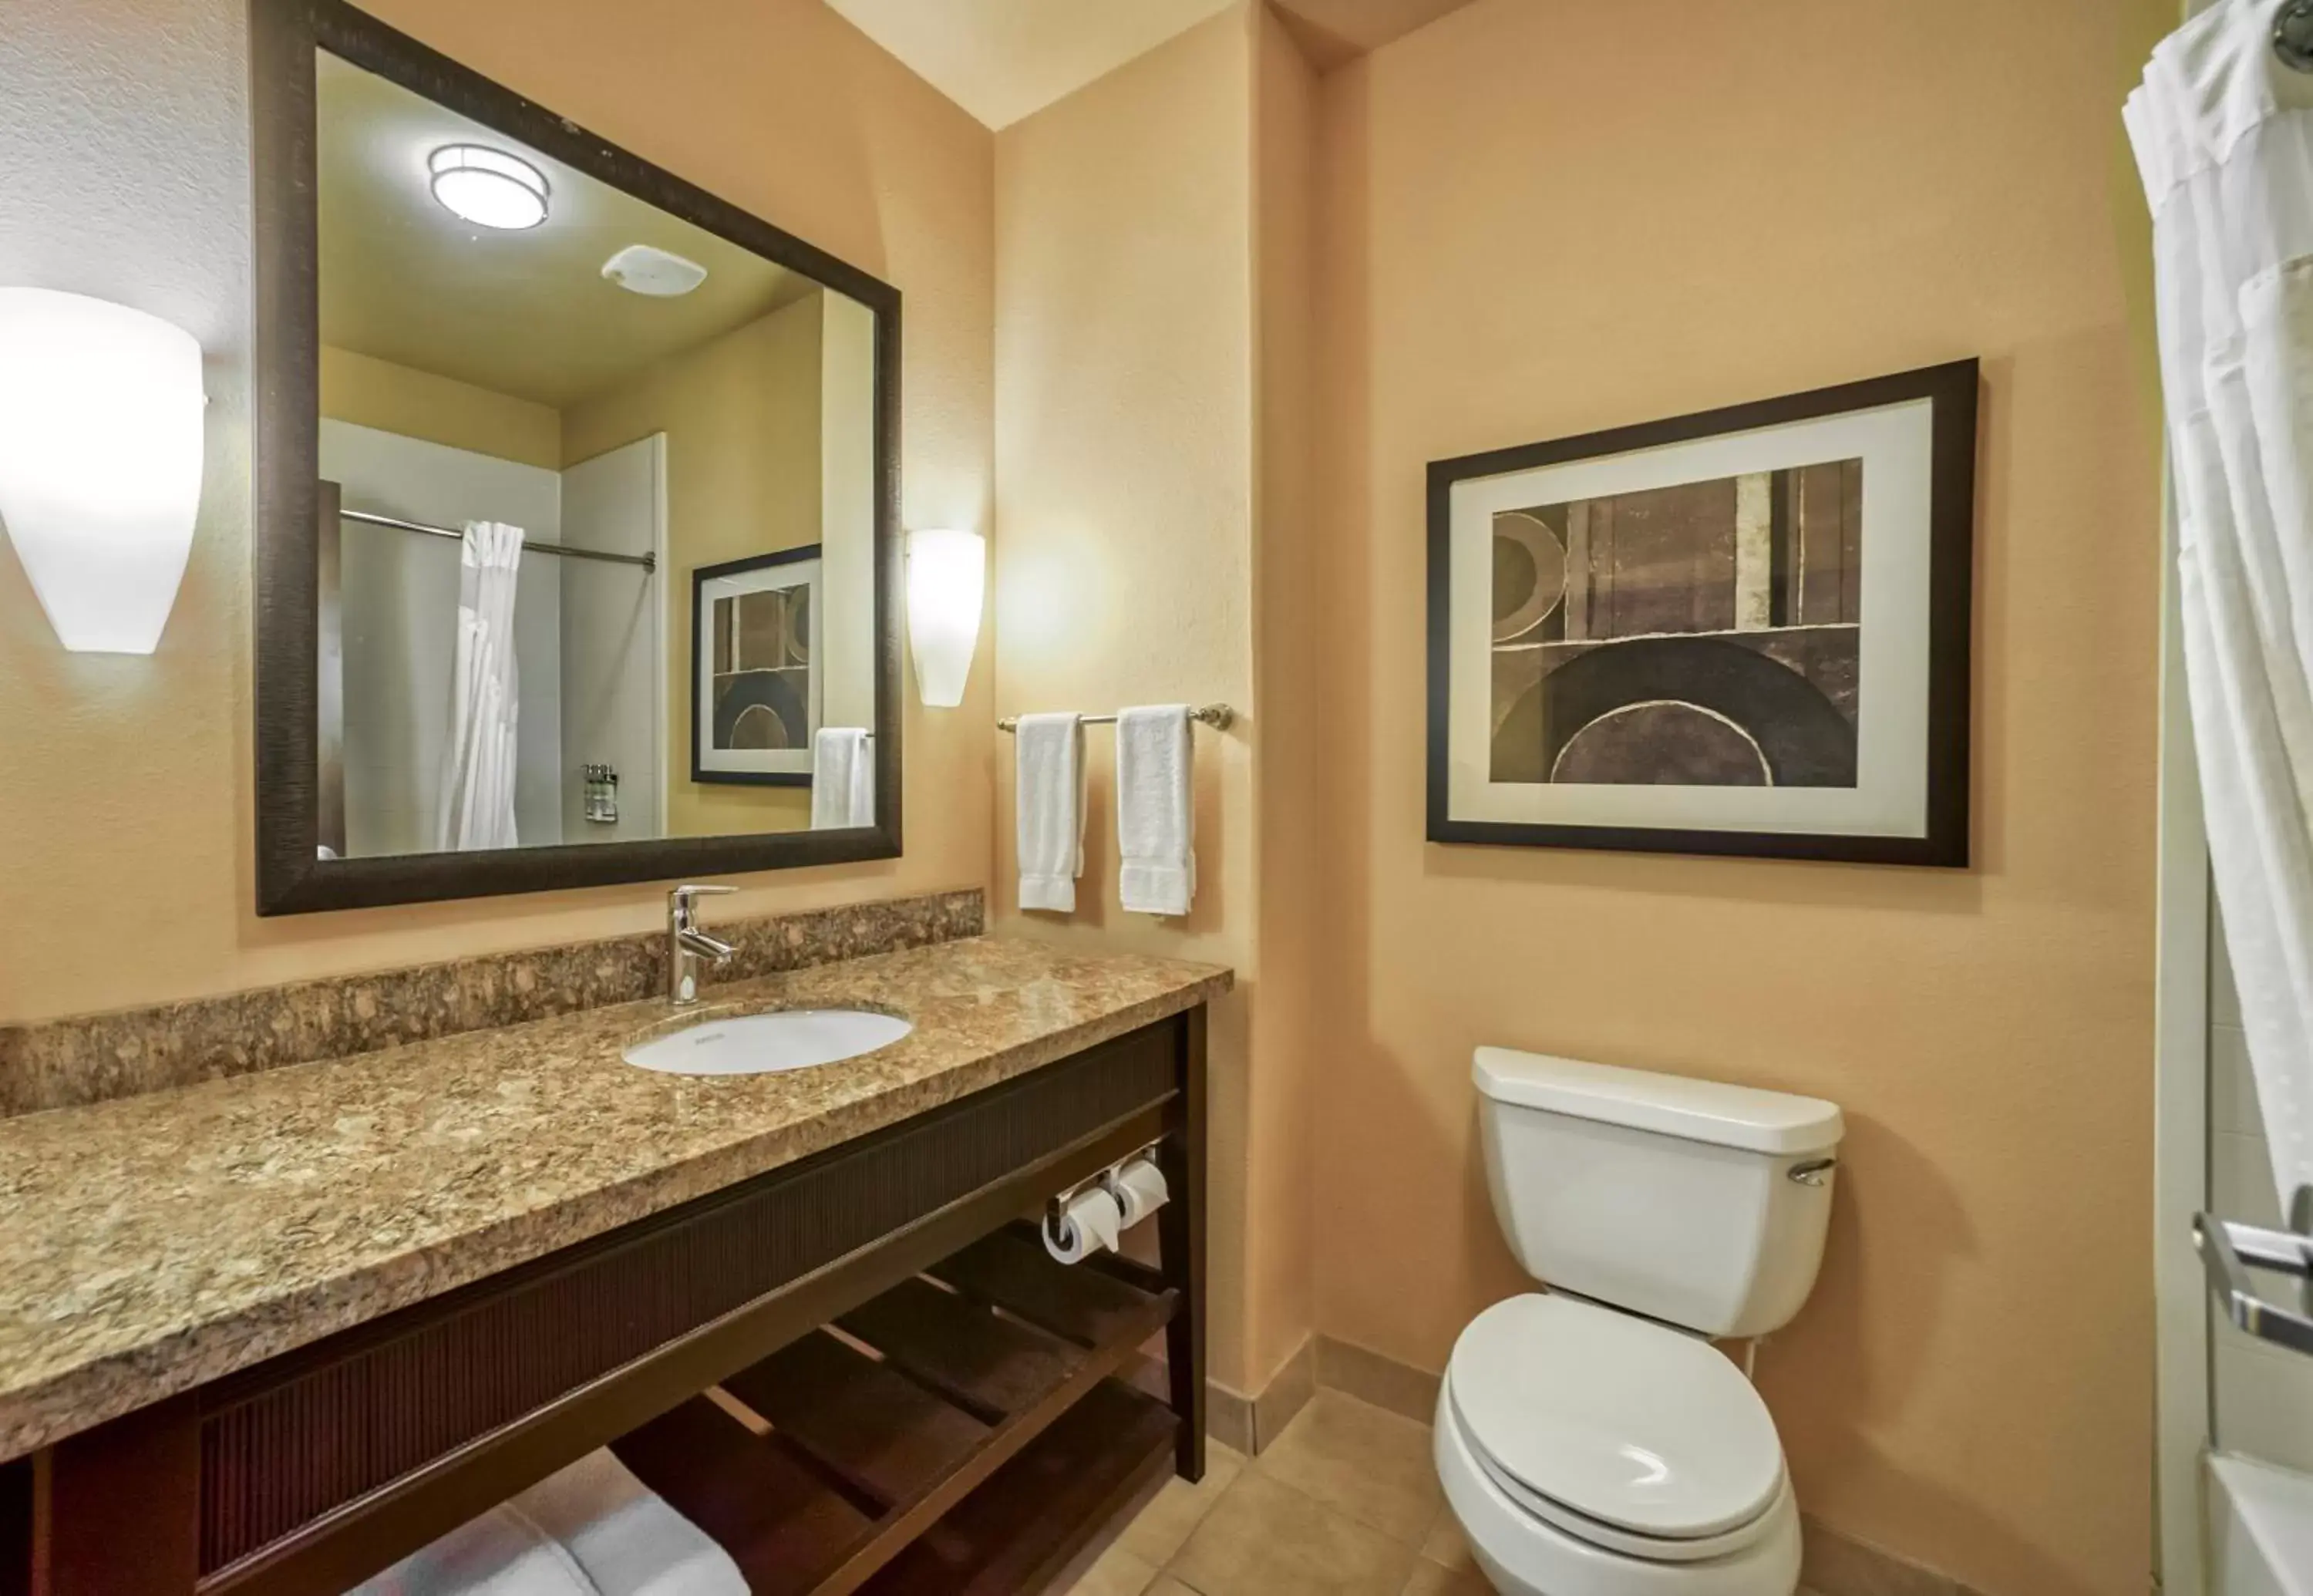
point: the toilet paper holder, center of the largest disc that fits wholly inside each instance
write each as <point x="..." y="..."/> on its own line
<point x="1057" y="1204"/>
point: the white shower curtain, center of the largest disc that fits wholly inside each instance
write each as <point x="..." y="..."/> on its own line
<point x="478" y="769"/>
<point x="2223" y="134"/>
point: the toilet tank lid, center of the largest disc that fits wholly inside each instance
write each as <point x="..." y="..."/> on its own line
<point x="1669" y="1105"/>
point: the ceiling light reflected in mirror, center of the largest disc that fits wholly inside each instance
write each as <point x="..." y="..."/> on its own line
<point x="488" y="187"/>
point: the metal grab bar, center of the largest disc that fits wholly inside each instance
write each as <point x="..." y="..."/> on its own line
<point x="2229" y="1250"/>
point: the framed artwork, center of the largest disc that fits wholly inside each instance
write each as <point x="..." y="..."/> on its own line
<point x="1743" y="632"/>
<point x="755" y="679"/>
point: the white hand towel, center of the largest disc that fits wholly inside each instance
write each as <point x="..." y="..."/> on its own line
<point x="624" y="1536"/>
<point x="1156" y="813"/>
<point x="842" y="779"/>
<point x="1049" y="797"/>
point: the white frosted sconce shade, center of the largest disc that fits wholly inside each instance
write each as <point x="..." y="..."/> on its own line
<point x="947" y="578"/>
<point x="100" y="462"/>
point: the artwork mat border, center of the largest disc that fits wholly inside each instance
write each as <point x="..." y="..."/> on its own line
<point x="1890" y="794"/>
<point x="1939" y="835"/>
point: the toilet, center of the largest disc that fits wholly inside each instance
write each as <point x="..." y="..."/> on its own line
<point x="1590" y="1438"/>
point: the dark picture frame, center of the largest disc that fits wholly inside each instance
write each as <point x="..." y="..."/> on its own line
<point x="702" y="769"/>
<point x="290" y="877"/>
<point x="1787" y="731"/>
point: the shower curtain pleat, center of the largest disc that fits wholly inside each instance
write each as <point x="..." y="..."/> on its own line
<point x="2223" y="135"/>
<point x="476" y="810"/>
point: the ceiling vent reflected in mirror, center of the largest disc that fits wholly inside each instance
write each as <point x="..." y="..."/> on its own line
<point x="654" y="273"/>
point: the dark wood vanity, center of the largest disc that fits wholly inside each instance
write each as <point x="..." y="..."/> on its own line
<point x="859" y="1371"/>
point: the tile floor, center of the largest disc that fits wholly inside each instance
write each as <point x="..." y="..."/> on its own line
<point x="1344" y="1503"/>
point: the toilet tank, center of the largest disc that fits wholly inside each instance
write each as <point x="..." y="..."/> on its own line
<point x="1690" y="1201"/>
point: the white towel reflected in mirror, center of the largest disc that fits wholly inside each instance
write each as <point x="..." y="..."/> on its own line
<point x="842" y="779"/>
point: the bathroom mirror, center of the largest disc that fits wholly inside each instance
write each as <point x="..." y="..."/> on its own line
<point x="576" y="558"/>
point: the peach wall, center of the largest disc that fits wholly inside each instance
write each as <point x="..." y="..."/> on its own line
<point x="1125" y="467"/>
<point x="1541" y="219"/>
<point x="1290" y="684"/>
<point x="740" y="413"/>
<point x="125" y="792"/>
<point x="368" y="391"/>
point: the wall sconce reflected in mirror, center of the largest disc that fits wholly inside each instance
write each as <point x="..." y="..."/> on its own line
<point x="947" y="578"/>
<point x="100" y="462"/>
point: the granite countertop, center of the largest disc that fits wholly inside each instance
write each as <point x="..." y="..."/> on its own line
<point x="157" y="1242"/>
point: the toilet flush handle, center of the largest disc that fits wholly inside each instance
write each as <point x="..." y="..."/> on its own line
<point x="1814" y="1172"/>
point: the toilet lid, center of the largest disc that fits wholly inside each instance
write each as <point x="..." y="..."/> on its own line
<point x="1623" y="1420"/>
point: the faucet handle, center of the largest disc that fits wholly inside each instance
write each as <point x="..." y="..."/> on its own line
<point x="682" y="900"/>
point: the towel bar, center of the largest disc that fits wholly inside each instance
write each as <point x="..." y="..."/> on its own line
<point x="1219" y="716"/>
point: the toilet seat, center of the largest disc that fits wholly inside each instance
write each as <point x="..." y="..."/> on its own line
<point x="1626" y="1434"/>
<point x="1522" y="1553"/>
<point x="1581" y="1526"/>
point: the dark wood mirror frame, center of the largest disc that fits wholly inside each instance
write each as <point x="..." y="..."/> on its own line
<point x="291" y="879"/>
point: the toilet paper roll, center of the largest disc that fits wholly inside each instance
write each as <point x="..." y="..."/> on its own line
<point x="1140" y="1189"/>
<point x="1087" y="1225"/>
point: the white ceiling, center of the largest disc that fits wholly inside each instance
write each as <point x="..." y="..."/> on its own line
<point x="1005" y="59"/>
<point x="1334" y="30"/>
<point x="524" y="314"/>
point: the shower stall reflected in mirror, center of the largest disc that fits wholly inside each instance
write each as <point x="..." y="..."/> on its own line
<point x="588" y="626"/>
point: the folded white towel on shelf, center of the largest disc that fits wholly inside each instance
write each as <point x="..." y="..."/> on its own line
<point x="625" y="1535"/>
<point x="1049" y="799"/>
<point x="1156" y="809"/>
<point x="590" y="1530"/>
<point x="842" y="779"/>
<point x="500" y="1554"/>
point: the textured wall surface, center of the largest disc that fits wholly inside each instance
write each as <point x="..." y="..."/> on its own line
<point x="1125" y="467"/>
<point x="1801" y="193"/>
<point x="124" y="791"/>
<point x="1290" y="682"/>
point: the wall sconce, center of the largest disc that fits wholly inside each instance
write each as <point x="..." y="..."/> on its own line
<point x="100" y="462"/>
<point x="947" y="577"/>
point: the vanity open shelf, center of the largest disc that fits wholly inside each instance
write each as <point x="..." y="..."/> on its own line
<point x="859" y="1371"/>
<point x="963" y="1430"/>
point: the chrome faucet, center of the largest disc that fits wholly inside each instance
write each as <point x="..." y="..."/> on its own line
<point x="686" y="944"/>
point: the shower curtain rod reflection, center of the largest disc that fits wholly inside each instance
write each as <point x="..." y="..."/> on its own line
<point x="649" y="563"/>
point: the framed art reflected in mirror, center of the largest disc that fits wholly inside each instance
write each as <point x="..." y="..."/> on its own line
<point x="1742" y="631"/>
<point x="525" y="397"/>
<point x="757" y="694"/>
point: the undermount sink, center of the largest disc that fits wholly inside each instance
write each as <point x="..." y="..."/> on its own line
<point x="765" y="1044"/>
